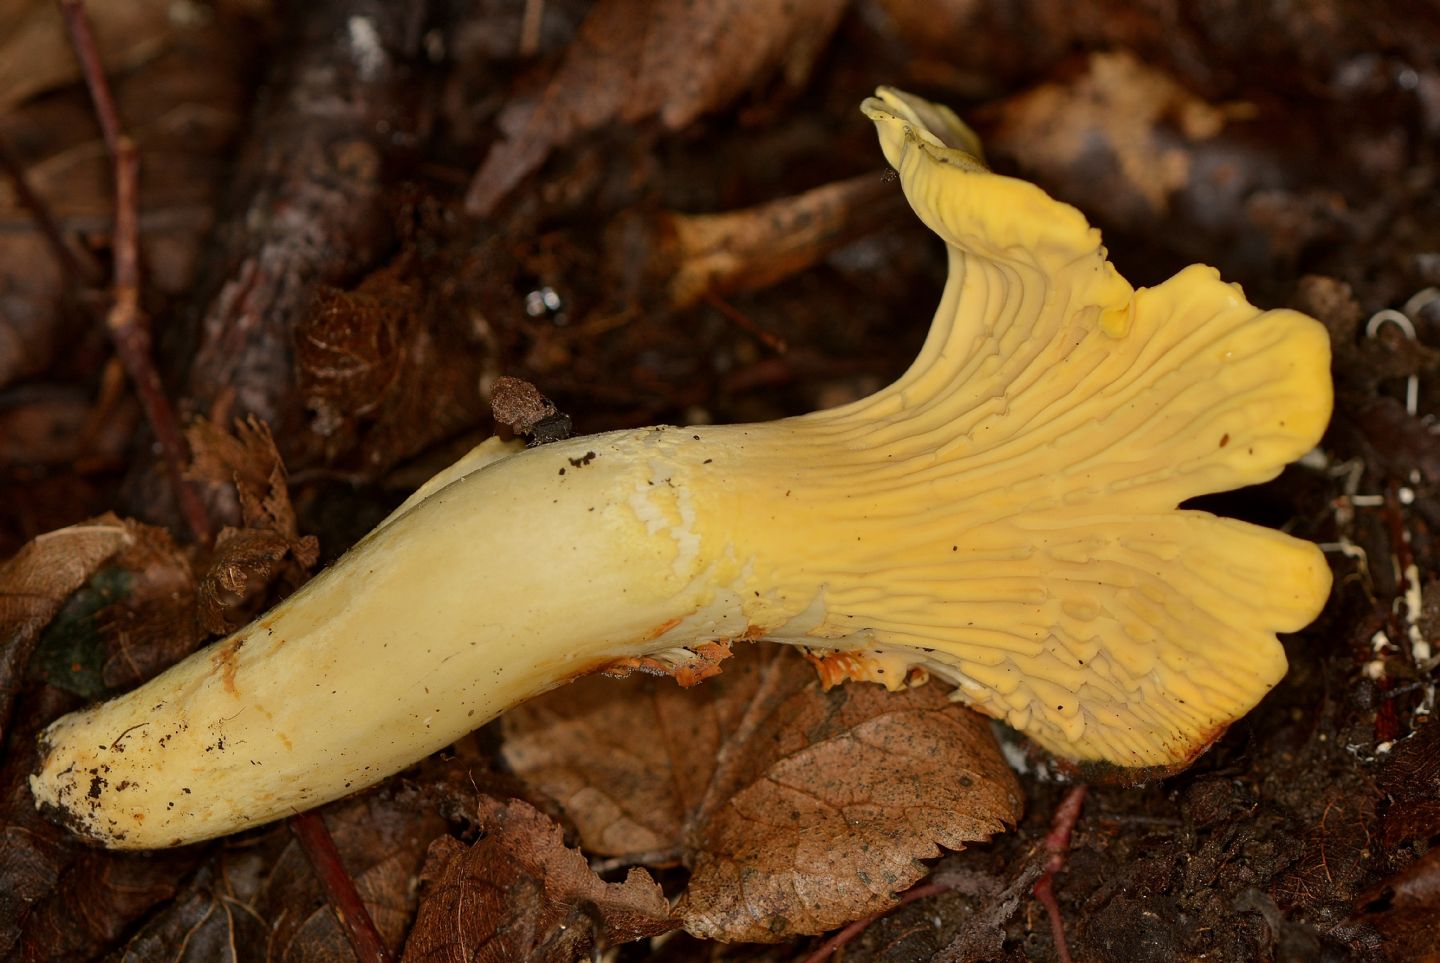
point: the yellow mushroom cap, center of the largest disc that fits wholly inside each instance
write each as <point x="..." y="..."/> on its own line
<point x="1053" y="423"/>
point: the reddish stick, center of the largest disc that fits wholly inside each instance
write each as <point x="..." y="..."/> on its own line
<point x="1057" y="844"/>
<point x="344" y="898"/>
<point x="125" y="322"/>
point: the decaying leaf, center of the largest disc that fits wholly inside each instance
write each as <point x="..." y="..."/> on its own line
<point x="35" y="584"/>
<point x="61" y="899"/>
<point x="518" y="895"/>
<point x="1410" y="780"/>
<point x="207" y="923"/>
<point x="796" y="809"/>
<point x="637" y="59"/>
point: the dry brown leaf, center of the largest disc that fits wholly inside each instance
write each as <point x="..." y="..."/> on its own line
<point x="796" y="809"/>
<point x="518" y="895"/>
<point x="38" y="580"/>
<point x="669" y="59"/>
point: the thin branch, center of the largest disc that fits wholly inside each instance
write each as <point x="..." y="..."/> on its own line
<point x="82" y="38"/>
<point x="340" y="891"/>
<point x="125" y="322"/>
<point x="1057" y="844"/>
<point x="745" y="323"/>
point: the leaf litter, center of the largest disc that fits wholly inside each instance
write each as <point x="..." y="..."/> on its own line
<point x="795" y="809"/>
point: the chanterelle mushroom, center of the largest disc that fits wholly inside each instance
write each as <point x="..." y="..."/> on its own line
<point x="1003" y="516"/>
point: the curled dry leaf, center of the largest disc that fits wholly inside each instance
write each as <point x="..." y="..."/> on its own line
<point x="518" y="895"/>
<point x="796" y="809"/>
<point x="638" y="59"/>
<point x="266" y="545"/>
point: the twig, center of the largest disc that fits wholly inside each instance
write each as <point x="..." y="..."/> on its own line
<point x="743" y="321"/>
<point x="125" y="322"/>
<point x="1057" y="844"/>
<point x="849" y="933"/>
<point x="344" y="899"/>
<point x="82" y="38"/>
<point x="71" y="263"/>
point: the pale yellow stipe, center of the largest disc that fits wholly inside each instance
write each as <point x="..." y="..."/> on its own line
<point x="1004" y="515"/>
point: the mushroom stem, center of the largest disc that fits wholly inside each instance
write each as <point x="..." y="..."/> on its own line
<point x="1003" y="516"/>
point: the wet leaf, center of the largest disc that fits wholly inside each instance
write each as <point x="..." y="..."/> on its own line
<point x="796" y="809"/>
<point x="518" y="895"/>
<point x="671" y="60"/>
